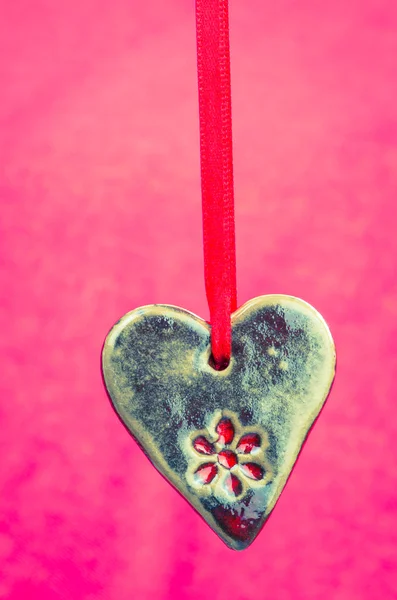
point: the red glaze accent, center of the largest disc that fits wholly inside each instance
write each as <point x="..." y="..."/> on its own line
<point x="203" y="446"/>
<point x="227" y="459"/>
<point x="233" y="520"/>
<point x="206" y="472"/>
<point x="225" y="430"/>
<point x="252" y="470"/>
<point x="248" y="442"/>
<point x="233" y="484"/>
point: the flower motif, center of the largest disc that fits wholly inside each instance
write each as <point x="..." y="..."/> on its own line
<point x="231" y="464"/>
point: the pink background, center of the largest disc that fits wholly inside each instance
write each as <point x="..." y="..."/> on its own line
<point x="100" y="213"/>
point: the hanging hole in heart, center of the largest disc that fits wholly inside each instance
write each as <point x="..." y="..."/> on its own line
<point x="218" y="366"/>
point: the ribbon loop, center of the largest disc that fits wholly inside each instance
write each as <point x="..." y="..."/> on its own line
<point x="213" y="66"/>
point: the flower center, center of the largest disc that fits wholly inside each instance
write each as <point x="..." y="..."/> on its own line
<point x="227" y="459"/>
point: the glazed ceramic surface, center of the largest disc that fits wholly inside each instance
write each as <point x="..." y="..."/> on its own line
<point x="227" y="440"/>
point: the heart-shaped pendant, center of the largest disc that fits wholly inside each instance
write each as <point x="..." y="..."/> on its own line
<point x="226" y="440"/>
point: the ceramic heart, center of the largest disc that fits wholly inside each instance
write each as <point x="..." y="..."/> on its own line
<point x="227" y="440"/>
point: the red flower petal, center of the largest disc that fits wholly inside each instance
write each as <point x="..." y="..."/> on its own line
<point x="248" y="442"/>
<point x="233" y="485"/>
<point x="225" y="430"/>
<point x="227" y="459"/>
<point x="206" y="473"/>
<point x="252" y="470"/>
<point x="203" y="446"/>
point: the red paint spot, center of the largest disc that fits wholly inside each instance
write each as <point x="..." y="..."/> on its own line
<point x="206" y="473"/>
<point x="203" y="446"/>
<point x="227" y="459"/>
<point x="225" y="430"/>
<point x="233" y="485"/>
<point x="248" y="442"/>
<point x="234" y="522"/>
<point x="252" y="470"/>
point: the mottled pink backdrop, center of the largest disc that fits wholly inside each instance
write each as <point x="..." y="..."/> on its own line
<point x="100" y="213"/>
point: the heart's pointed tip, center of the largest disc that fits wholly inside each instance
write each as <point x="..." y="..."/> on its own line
<point x="238" y="546"/>
<point x="235" y="530"/>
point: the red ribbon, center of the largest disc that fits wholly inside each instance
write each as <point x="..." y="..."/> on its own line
<point x="213" y="65"/>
